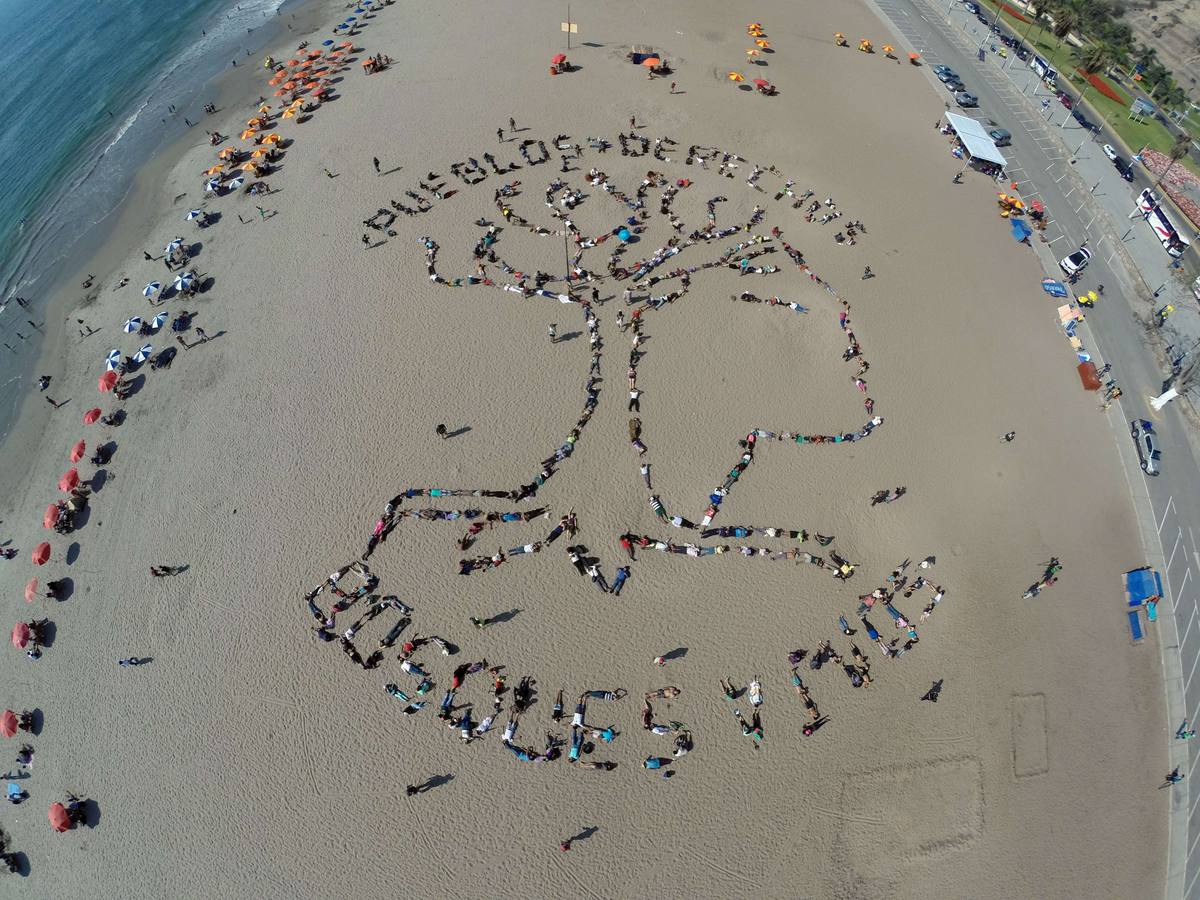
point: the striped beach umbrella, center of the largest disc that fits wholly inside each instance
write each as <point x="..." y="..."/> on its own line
<point x="193" y="214"/>
<point x="184" y="281"/>
<point x="132" y="324"/>
<point x="144" y="354"/>
<point x="173" y="246"/>
<point x="112" y="360"/>
<point x="159" y="321"/>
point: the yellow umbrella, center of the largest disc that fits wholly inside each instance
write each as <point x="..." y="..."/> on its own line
<point x="752" y="53"/>
<point x="248" y="133"/>
<point x="289" y="113"/>
<point x="754" y="25"/>
<point x="887" y="49"/>
<point x="272" y="139"/>
<point x="250" y="167"/>
<point x="227" y="153"/>
<point x="736" y="76"/>
<point x="264" y="109"/>
<point x="254" y="123"/>
<point x="259" y="153"/>
<point x="762" y="43"/>
<point x="214" y="170"/>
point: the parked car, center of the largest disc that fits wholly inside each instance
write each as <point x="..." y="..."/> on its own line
<point x="1083" y="120"/>
<point x="1001" y="137"/>
<point x="1146" y="442"/>
<point x="1064" y="99"/>
<point x="1022" y="54"/>
<point x="1125" y="170"/>
<point x="966" y="99"/>
<point x="945" y="73"/>
<point x="1111" y="152"/>
<point x="972" y="8"/>
<point x="1077" y="261"/>
<point x="954" y="85"/>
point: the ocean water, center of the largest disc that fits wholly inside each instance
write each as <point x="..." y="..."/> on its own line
<point x="87" y="100"/>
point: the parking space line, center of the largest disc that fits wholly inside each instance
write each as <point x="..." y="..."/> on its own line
<point x="1167" y="509"/>
<point x="1178" y="538"/>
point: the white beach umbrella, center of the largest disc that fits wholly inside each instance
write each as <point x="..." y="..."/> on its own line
<point x="132" y="324"/>
<point x="159" y="321"/>
<point x="144" y="354"/>
<point x="173" y="246"/>
<point x="184" y="282"/>
<point x="112" y="360"/>
<point x="151" y="289"/>
<point x="194" y="214"/>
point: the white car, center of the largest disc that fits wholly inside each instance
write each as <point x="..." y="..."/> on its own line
<point x="1110" y="152"/>
<point x="1077" y="261"/>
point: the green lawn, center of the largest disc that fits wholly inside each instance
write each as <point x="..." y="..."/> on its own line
<point x="1116" y="115"/>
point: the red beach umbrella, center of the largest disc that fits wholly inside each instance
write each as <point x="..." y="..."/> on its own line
<point x="8" y="723"/>
<point x="761" y="82"/>
<point x="50" y="516"/>
<point x="41" y="554"/>
<point x="20" y="635"/>
<point x="69" y="480"/>
<point x="92" y="416"/>
<point x="59" y="820"/>
<point x="108" y="381"/>
<point x="77" y="451"/>
<point x="558" y="59"/>
<point x="31" y="589"/>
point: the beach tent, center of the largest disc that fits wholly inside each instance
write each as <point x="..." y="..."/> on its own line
<point x="975" y="139"/>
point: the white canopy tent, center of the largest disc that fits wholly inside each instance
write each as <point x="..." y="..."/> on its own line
<point x="975" y="138"/>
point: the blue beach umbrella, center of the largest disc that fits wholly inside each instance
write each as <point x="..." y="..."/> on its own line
<point x="144" y="354"/>
<point x="184" y="282"/>
<point x="159" y="321"/>
<point x="328" y="42"/>
<point x="212" y="184"/>
<point x="112" y="360"/>
<point x="194" y="214"/>
<point x="132" y="324"/>
<point x="151" y="289"/>
<point x="236" y="183"/>
<point x="172" y="247"/>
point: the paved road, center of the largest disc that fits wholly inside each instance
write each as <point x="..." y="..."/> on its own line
<point x="1168" y="506"/>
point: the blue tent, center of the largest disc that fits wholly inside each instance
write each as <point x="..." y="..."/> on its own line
<point x="1142" y="584"/>
<point x="1053" y="288"/>
<point x="1020" y="231"/>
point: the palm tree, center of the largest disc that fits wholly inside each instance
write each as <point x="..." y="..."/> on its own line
<point x="1068" y="15"/>
<point x="1177" y="152"/>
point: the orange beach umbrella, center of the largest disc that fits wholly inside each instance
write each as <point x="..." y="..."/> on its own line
<point x="651" y="61"/>
<point x="248" y="133"/>
<point x="213" y="170"/>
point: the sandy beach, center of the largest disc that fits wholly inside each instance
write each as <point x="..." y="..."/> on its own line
<point x="247" y="757"/>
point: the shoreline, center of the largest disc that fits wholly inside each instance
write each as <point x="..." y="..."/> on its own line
<point x="111" y="241"/>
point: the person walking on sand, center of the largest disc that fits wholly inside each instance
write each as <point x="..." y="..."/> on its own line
<point x="200" y="333"/>
<point x="440" y="431"/>
<point x="1174" y="776"/>
<point x="129" y="662"/>
<point x="53" y="403"/>
<point x="672" y="87"/>
<point x="553" y="334"/>
<point x="375" y="163"/>
<point x="1009" y="436"/>
<point x="500" y="135"/>
<point x="366" y="241"/>
<point x="867" y="273"/>
<point x="262" y="213"/>
<point x="512" y="124"/>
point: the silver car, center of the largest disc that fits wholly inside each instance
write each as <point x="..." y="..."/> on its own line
<point x="965" y="99"/>
<point x="1146" y="442"/>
